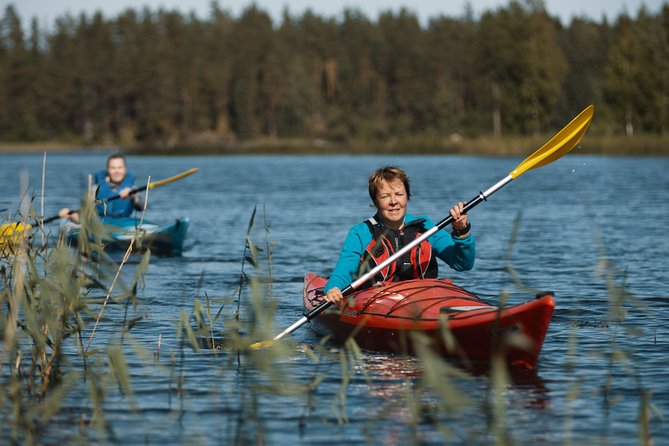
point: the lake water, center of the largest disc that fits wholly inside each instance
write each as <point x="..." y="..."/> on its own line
<point x="594" y="372"/>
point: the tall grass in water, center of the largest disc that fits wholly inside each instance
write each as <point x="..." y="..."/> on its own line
<point x="48" y="315"/>
<point x="51" y="352"/>
<point x="230" y="333"/>
<point x="45" y="314"/>
<point x="437" y="396"/>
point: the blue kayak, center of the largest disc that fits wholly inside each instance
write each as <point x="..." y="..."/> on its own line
<point x="162" y="240"/>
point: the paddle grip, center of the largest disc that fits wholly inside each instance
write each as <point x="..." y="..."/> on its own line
<point x="470" y="204"/>
<point x="49" y="220"/>
<point x="133" y="191"/>
<point x="324" y="306"/>
<point x="318" y="310"/>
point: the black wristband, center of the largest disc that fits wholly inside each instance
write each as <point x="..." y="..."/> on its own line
<point x="463" y="231"/>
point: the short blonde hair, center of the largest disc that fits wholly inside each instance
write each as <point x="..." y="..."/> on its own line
<point x="387" y="174"/>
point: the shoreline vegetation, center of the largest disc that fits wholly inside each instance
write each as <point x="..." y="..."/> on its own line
<point x="616" y="145"/>
<point x="155" y="81"/>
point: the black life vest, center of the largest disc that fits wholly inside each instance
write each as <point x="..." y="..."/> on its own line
<point x="418" y="263"/>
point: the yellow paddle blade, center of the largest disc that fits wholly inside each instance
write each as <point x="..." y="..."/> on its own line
<point x="261" y="344"/>
<point x="11" y="234"/>
<point x="560" y="144"/>
<point x="174" y="178"/>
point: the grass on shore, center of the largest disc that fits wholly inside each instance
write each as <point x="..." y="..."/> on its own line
<point x="619" y="145"/>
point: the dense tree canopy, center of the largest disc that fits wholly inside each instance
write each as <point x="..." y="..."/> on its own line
<point x="162" y="78"/>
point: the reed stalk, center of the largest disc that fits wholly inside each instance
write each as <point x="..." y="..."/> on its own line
<point x="126" y="256"/>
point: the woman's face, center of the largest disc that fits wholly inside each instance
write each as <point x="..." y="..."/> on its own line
<point x="391" y="201"/>
<point x="116" y="170"/>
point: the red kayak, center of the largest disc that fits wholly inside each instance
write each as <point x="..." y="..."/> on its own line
<point x="381" y="318"/>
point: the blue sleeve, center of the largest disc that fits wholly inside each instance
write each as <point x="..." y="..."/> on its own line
<point x="349" y="258"/>
<point x="458" y="253"/>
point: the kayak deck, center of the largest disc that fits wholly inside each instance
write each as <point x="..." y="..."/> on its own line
<point x="455" y="322"/>
<point x="162" y="240"/>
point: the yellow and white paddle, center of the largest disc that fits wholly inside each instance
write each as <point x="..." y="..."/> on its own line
<point x="13" y="232"/>
<point x="560" y="144"/>
<point x="137" y="189"/>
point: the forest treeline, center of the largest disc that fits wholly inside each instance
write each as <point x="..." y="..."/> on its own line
<point x="162" y="78"/>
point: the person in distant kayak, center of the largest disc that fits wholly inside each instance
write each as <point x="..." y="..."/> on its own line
<point x="369" y="243"/>
<point x="116" y="180"/>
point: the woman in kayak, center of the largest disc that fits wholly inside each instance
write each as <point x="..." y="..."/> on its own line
<point x="116" y="180"/>
<point x="371" y="242"/>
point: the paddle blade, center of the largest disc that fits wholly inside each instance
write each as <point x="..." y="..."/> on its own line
<point x="260" y="345"/>
<point x="559" y="145"/>
<point x="11" y="234"/>
<point x="174" y="178"/>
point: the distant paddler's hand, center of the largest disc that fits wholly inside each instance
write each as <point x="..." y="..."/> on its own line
<point x="67" y="213"/>
<point x="125" y="192"/>
<point x="334" y="295"/>
<point x="459" y="225"/>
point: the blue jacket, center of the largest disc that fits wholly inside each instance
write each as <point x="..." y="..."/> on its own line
<point x="120" y="207"/>
<point x="458" y="253"/>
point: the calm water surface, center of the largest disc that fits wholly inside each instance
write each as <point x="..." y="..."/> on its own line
<point x="572" y="214"/>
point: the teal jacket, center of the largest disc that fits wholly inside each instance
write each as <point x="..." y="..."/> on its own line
<point x="458" y="253"/>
